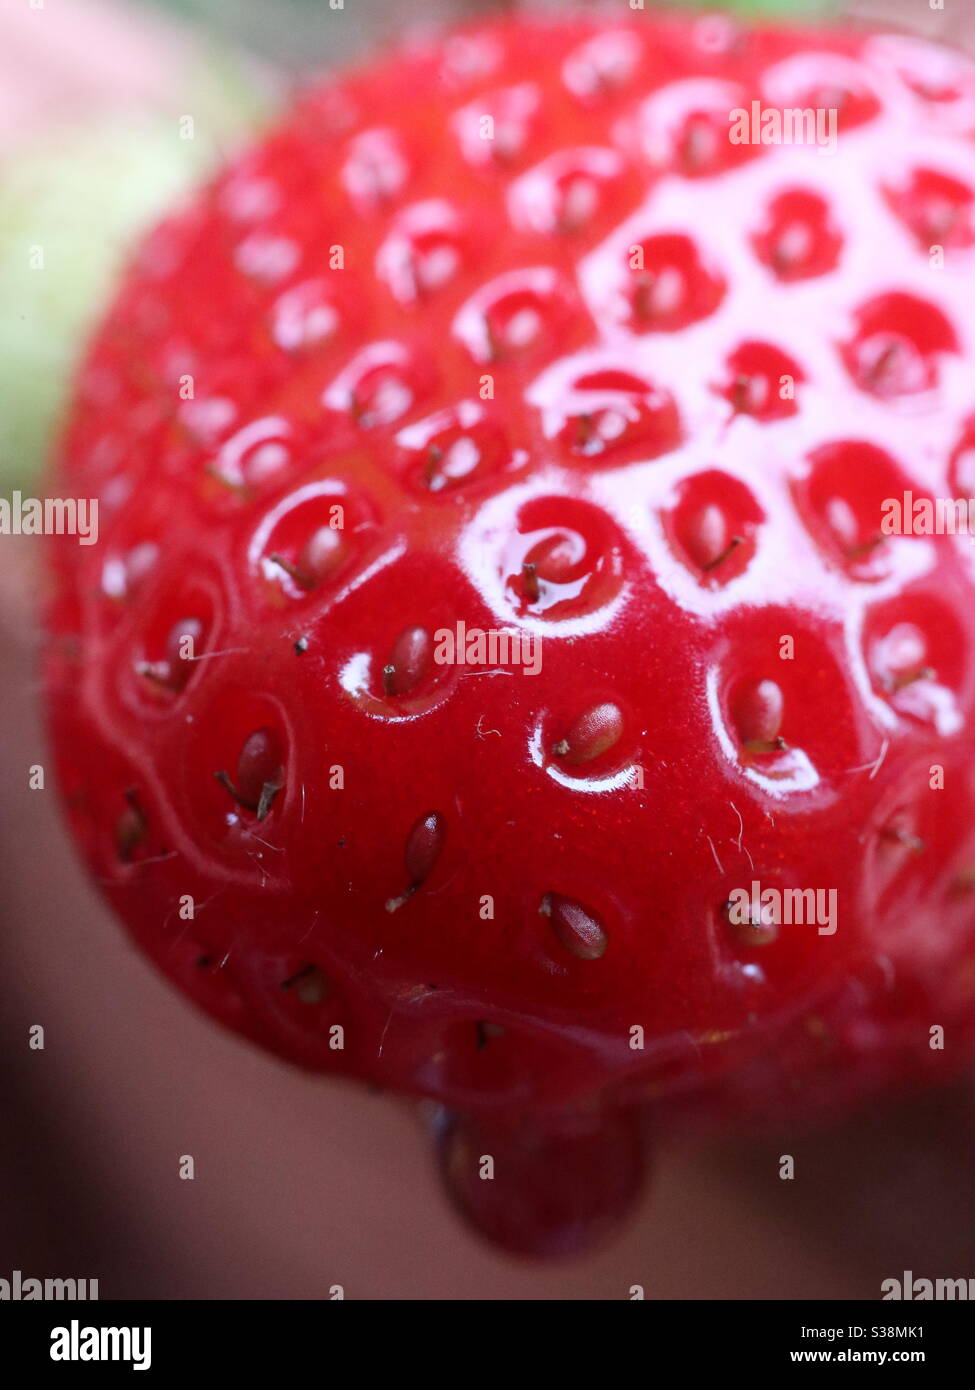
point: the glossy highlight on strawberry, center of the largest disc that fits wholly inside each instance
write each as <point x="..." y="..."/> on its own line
<point x="503" y="330"/>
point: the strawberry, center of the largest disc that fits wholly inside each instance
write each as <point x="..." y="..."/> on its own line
<point x="504" y="337"/>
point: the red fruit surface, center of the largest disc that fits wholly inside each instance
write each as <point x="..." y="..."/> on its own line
<point x="472" y="883"/>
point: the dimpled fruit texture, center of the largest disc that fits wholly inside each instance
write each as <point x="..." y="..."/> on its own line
<point x="507" y="332"/>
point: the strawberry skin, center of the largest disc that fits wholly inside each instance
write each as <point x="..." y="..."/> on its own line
<point x="505" y="331"/>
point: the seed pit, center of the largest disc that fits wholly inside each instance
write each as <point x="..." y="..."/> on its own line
<point x="260" y="773"/>
<point x="918" y="657"/>
<point x="575" y="927"/>
<point x="612" y="415"/>
<point x="842" y="501"/>
<point x="750" y="927"/>
<point x="896" y="344"/>
<point x="424" y="844"/>
<point x="761" y="382"/>
<point x="566" y="559"/>
<point x="131" y="828"/>
<point x="669" y="285"/>
<point x="713" y="527"/>
<point x="409" y="662"/>
<point x="308" y="984"/>
<point x="169" y="650"/>
<point x="520" y="316"/>
<point x="757" y="711"/>
<point x="592" y="734"/>
<point x="459" y="447"/>
<point x="798" y="239"/>
<point x="383" y="382"/>
<point x="935" y="208"/>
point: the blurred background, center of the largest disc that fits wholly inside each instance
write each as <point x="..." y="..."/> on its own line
<point x="300" y="1183"/>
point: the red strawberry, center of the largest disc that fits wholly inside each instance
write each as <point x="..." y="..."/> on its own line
<point x="506" y="332"/>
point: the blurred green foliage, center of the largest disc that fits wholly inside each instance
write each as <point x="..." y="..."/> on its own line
<point x="71" y="201"/>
